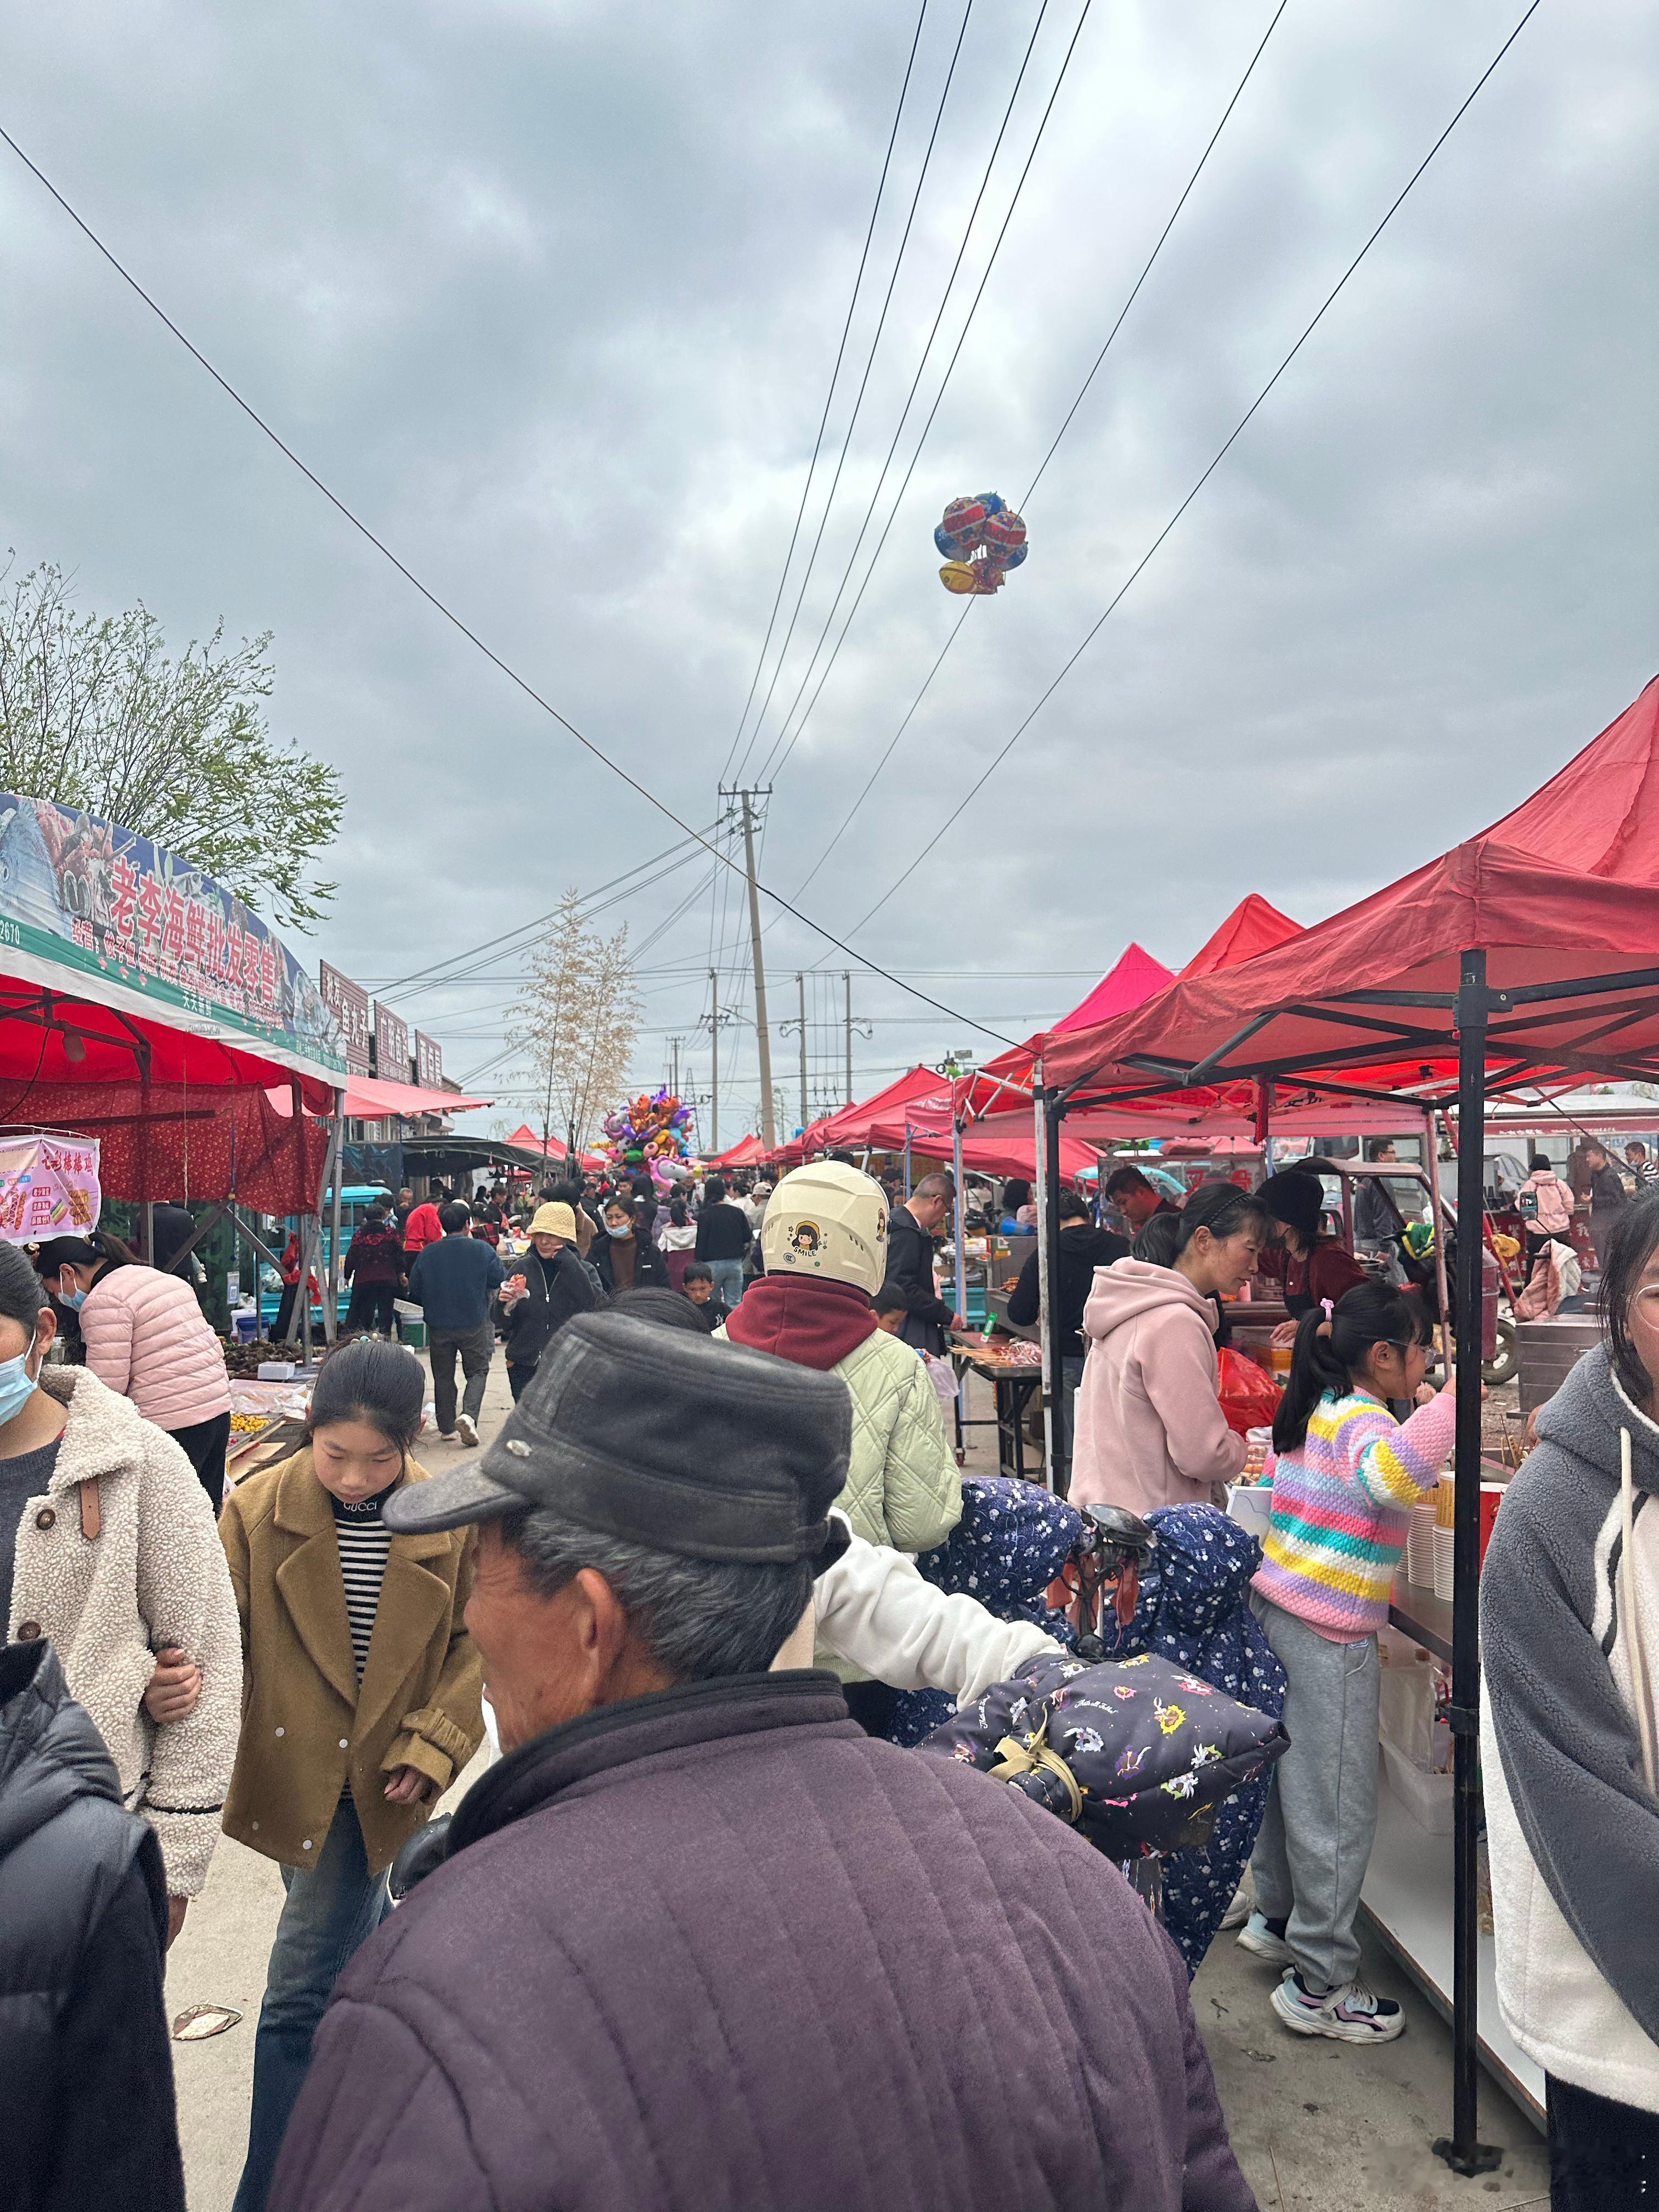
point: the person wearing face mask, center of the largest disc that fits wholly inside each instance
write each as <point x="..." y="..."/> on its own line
<point x="1150" y="1428"/>
<point x="625" y="1256"/>
<point x="363" y="1695"/>
<point x="107" y="1551"/>
<point x="147" y="1337"/>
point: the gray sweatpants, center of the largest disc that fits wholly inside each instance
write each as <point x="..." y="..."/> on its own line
<point x="1315" y="1841"/>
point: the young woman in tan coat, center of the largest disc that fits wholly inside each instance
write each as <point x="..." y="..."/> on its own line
<point x="360" y="1696"/>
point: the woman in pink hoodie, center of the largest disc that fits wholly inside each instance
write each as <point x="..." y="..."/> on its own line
<point x="1150" y="1428"/>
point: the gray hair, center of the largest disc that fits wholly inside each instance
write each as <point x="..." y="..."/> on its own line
<point x="937" y="1185"/>
<point x="698" y="1619"/>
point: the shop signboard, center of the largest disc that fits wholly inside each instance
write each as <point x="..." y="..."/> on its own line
<point x="48" y="1188"/>
<point x="348" y="1004"/>
<point x="89" y="907"/>
<point x="391" y="1045"/>
<point x="428" y="1062"/>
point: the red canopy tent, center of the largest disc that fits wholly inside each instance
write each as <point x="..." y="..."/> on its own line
<point x="1529" y="953"/>
<point x="1135" y="977"/>
<point x="1253" y="927"/>
<point x="748" y="1152"/>
<point x="849" y="1125"/>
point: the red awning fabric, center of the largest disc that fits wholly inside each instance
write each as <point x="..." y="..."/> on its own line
<point x="373" y="1101"/>
<point x="1253" y="927"/>
<point x="747" y="1152"/>
<point x="847" y="1126"/>
<point x="1566" y="887"/>
<point x="1134" y="978"/>
<point x="190" y="1141"/>
<point x="528" y="1141"/>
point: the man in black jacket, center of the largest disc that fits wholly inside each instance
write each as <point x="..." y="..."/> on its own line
<point x="1083" y="1247"/>
<point x="543" y="1290"/>
<point x="723" y="1239"/>
<point x="451" y="1281"/>
<point x="90" y="2118"/>
<point x="911" y="1235"/>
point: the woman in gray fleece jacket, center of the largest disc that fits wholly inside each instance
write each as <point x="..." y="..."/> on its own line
<point x="1569" y="1640"/>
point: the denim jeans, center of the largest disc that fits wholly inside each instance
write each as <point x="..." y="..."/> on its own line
<point x="728" y="1279"/>
<point x="330" y="1910"/>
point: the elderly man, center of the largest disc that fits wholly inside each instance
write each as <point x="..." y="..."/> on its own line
<point x="911" y="1235"/>
<point x="699" y="1942"/>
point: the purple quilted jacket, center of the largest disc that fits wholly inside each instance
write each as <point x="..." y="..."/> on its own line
<point x="718" y="1949"/>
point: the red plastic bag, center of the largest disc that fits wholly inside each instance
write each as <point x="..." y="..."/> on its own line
<point x="1249" y="1395"/>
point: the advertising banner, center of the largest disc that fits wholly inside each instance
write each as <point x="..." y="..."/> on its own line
<point x="48" y="1188"/>
<point x="391" y="1045"/>
<point x="428" y="1062"/>
<point x="348" y="1004"/>
<point x="91" y="906"/>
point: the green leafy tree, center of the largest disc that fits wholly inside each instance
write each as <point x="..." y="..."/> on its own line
<point x="94" y="714"/>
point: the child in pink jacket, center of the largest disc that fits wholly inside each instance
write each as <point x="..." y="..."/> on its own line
<point x="147" y="1337"/>
<point x="1150" y="1428"/>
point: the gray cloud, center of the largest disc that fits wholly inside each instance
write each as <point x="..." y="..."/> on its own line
<point x="550" y="295"/>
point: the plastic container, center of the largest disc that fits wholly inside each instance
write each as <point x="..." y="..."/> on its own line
<point x="1426" y="1797"/>
<point x="276" y="1370"/>
<point x="410" y="1334"/>
<point x="248" y="1326"/>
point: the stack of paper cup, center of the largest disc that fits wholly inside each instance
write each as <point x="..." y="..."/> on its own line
<point x="1420" y="1544"/>
<point x="1444" y="1542"/>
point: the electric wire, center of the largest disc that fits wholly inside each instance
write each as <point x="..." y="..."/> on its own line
<point x="858" y="403"/>
<point x="1232" y="438"/>
<point x="776" y="760"/>
<point x="840" y="350"/>
<point x="955" y="629"/>
<point x="440" y="606"/>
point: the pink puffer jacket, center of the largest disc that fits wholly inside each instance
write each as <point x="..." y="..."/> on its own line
<point x="146" y="1337"/>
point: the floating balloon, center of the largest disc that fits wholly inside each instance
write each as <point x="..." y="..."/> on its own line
<point x="981" y="539"/>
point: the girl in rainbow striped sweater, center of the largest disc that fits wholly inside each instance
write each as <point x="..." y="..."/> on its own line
<point x="1345" y="1474"/>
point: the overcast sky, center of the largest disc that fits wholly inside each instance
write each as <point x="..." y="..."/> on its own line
<point x="550" y="294"/>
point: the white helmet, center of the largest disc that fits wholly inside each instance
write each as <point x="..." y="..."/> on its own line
<point x="829" y="1221"/>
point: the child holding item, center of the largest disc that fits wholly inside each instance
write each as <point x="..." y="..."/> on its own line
<point x="1345" y="1478"/>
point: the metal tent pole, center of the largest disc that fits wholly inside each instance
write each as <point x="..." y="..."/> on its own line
<point x="960" y="1217"/>
<point x="1462" y="2151"/>
<point x="1050" y="1111"/>
<point x="330" y="1295"/>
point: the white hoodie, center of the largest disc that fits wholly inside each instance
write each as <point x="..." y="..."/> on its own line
<point x="1150" y="1428"/>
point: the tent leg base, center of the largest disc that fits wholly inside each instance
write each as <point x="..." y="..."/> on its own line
<point x="1480" y="2158"/>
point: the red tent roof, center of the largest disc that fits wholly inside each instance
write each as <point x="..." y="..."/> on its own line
<point x="747" y="1151"/>
<point x="1253" y="927"/>
<point x="1566" y="887"/>
<point x="1131" y="981"/>
<point x="850" y="1124"/>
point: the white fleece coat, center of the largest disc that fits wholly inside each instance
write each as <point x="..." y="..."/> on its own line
<point x="154" y="1574"/>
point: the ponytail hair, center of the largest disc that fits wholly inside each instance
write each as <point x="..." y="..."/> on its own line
<point x="1329" y="1350"/>
<point x="1222" y="1208"/>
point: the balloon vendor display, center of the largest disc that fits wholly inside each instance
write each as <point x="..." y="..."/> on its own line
<point x="653" y="1131"/>
<point x="981" y="540"/>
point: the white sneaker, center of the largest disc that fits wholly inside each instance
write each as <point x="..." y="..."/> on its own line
<point x="1244" y="1902"/>
<point x="1349" y="2014"/>
<point x="1256" y="1937"/>
<point x="467" y="1428"/>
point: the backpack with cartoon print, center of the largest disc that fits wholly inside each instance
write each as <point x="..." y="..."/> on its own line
<point x="1136" y="1753"/>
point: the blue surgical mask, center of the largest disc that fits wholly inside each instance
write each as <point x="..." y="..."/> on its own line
<point x="75" y="1299"/>
<point x="619" y="1228"/>
<point x="17" y="1386"/>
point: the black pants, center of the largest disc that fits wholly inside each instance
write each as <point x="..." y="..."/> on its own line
<point x="1604" y="2156"/>
<point x="371" y="1306"/>
<point x="204" y="1443"/>
<point x="284" y="1312"/>
<point x="518" y="1378"/>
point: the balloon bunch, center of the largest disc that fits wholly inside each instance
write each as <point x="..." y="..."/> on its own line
<point x="655" y="1129"/>
<point x="981" y="540"/>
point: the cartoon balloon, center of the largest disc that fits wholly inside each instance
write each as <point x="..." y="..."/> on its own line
<point x="983" y="538"/>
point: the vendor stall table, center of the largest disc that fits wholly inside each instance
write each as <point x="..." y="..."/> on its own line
<point x="1014" y="1382"/>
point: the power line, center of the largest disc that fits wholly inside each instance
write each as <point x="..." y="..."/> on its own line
<point x="440" y="606"/>
<point x="955" y="629"/>
<point x="775" y="761"/>
<point x="892" y="138"/>
<point x="1233" y="436"/>
<point x="881" y="323"/>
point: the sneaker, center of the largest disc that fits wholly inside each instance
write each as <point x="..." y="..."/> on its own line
<point x="1262" y="1942"/>
<point x="467" y="1428"/>
<point x="1351" y="2013"/>
<point x="1239" y="1911"/>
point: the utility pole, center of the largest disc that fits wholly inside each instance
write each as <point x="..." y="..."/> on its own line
<point x="762" y="1032"/>
<point x="674" y="1086"/>
<point x="847" y="985"/>
<point x="714" y="1052"/>
<point x="800" y="985"/>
